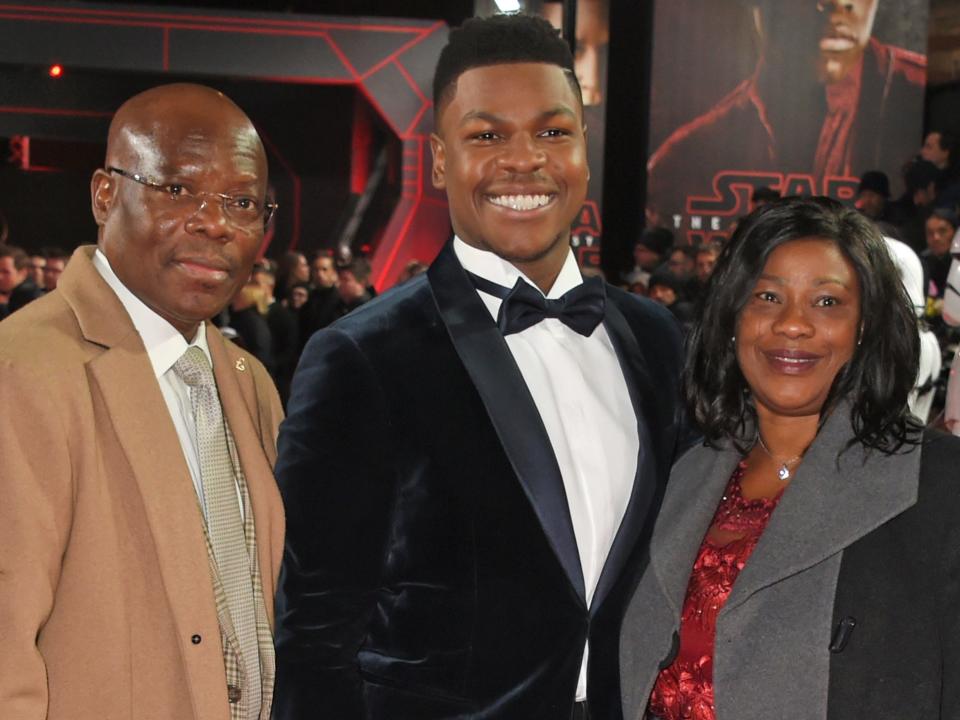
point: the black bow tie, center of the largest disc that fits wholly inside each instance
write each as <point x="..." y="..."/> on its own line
<point x="523" y="306"/>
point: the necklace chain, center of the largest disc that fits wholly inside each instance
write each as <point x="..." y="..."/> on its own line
<point x="783" y="472"/>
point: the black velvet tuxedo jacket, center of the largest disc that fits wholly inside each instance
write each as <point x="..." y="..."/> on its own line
<point x="431" y="569"/>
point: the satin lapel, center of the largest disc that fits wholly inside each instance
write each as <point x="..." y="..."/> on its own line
<point x="693" y="494"/>
<point x="238" y="397"/>
<point x="140" y="419"/>
<point x="510" y="406"/>
<point x="644" y="489"/>
<point x="826" y="508"/>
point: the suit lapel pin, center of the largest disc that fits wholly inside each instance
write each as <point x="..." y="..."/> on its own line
<point x="240" y="364"/>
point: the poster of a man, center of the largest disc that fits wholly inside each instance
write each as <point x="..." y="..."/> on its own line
<point x="590" y="63"/>
<point x="825" y="102"/>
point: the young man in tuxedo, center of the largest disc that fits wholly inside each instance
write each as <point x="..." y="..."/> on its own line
<point x="472" y="462"/>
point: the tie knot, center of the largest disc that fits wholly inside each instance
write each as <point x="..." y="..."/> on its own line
<point x="194" y="368"/>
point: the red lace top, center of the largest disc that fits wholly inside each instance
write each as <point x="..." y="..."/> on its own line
<point x="684" y="689"/>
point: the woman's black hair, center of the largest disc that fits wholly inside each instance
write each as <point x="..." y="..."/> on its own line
<point x="877" y="379"/>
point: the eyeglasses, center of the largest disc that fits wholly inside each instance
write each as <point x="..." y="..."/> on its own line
<point x="241" y="210"/>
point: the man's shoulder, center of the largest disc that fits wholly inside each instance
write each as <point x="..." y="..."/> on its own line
<point x="45" y="328"/>
<point x="398" y="308"/>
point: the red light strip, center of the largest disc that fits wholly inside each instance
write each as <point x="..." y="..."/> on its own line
<point x="402" y="49"/>
<point x="171" y="25"/>
<point x="398" y="241"/>
<point x="416" y="118"/>
<point x="58" y="14"/>
<point x="66" y="112"/>
<point x="343" y="58"/>
<point x="410" y="81"/>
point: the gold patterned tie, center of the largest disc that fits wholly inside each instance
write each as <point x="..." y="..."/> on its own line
<point x="224" y="521"/>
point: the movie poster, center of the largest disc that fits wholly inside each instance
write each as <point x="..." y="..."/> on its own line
<point x="590" y="62"/>
<point x="800" y="96"/>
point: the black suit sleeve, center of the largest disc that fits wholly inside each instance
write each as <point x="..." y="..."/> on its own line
<point x="338" y="486"/>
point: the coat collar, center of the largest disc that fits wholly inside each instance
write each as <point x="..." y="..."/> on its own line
<point x="514" y="415"/>
<point x="829" y="505"/>
<point x="509" y="405"/>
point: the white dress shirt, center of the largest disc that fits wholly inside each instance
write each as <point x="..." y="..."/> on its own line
<point x="165" y="345"/>
<point x="578" y="387"/>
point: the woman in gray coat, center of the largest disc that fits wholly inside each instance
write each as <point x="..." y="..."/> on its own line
<point x="806" y="560"/>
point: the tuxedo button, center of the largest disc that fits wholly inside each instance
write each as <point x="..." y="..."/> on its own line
<point x="233" y="694"/>
<point x="196" y="639"/>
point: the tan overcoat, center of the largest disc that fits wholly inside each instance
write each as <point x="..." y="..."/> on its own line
<point x="106" y="603"/>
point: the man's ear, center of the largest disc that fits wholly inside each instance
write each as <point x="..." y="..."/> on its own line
<point x="437" y="149"/>
<point x="102" y="194"/>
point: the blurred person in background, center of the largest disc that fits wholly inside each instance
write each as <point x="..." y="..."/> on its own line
<point x="321" y="307"/>
<point x="56" y="263"/>
<point x="16" y="283"/>
<point x="284" y="330"/>
<point x="352" y="281"/>
<point x="649" y="252"/>
<point x="941" y="226"/>
<point x="910" y="211"/>
<point x="38" y="262"/>
<point x="873" y="192"/>
<point x="292" y="268"/>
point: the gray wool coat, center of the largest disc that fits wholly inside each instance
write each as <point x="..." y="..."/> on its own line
<point x="849" y="606"/>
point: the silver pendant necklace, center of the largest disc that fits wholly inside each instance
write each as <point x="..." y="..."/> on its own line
<point x="783" y="472"/>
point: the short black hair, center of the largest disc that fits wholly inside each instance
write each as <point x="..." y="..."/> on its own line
<point x="947" y="215"/>
<point x="877" y="379"/>
<point x="499" y="40"/>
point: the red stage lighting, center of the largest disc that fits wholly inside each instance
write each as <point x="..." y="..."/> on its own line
<point x="55" y="71"/>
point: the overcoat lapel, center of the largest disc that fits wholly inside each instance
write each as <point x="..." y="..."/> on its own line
<point x="508" y="402"/>
<point x="644" y="488"/>
<point x="132" y="396"/>
<point x="828" y="506"/>
<point x="696" y="485"/>
<point x="825" y="509"/>
<point x="153" y="450"/>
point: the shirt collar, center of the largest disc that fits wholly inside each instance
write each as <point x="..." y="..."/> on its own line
<point x="164" y="343"/>
<point x="495" y="269"/>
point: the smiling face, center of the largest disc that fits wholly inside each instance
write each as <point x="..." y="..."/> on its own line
<point x="799" y="327"/>
<point x="185" y="261"/>
<point x="511" y="154"/>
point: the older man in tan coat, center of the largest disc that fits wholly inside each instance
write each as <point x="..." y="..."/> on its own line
<point x="140" y="526"/>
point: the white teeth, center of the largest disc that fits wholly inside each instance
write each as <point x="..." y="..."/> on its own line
<point x="520" y="202"/>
